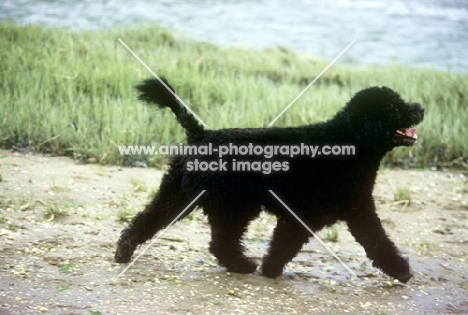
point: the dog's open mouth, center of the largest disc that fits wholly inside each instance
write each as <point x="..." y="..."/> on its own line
<point x="406" y="135"/>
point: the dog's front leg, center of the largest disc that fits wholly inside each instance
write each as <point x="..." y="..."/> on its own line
<point x="367" y="229"/>
<point x="288" y="239"/>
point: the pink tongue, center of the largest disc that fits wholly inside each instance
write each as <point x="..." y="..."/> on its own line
<point x="409" y="132"/>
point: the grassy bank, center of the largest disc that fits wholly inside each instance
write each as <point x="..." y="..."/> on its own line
<point x="72" y="92"/>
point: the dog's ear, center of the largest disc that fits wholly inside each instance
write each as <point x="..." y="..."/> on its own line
<point x="375" y="104"/>
<point x="374" y="98"/>
<point x="372" y="116"/>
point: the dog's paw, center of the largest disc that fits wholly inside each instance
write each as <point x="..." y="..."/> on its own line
<point x="405" y="276"/>
<point x="243" y="267"/>
<point x="398" y="269"/>
<point x="124" y="253"/>
<point x="402" y="270"/>
<point x="271" y="271"/>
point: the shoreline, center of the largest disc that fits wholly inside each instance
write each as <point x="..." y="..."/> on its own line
<point x="71" y="93"/>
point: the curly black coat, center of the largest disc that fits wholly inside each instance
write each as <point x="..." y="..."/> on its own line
<point x="320" y="190"/>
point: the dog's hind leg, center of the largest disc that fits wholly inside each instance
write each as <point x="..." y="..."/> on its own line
<point x="288" y="239"/>
<point x="161" y="211"/>
<point x="226" y="242"/>
<point x="367" y="229"/>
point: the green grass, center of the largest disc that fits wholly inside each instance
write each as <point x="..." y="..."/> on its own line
<point x="402" y="194"/>
<point x="58" y="188"/>
<point x="332" y="234"/>
<point x="138" y="185"/>
<point x="54" y="211"/>
<point x="20" y="202"/>
<point x="63" y="288"/>
<point x="125" y="211"/>
<point x="71" y="93"/>
<point x="425" y="248"/>
<point x="67" y="268"/>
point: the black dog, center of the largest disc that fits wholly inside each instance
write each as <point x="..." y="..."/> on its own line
<point x="319" y="190"/>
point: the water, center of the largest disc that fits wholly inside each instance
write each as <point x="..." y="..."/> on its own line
<point x="418" y="33"/>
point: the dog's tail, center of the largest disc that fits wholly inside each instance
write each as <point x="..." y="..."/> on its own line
<point x="153" y="91"/>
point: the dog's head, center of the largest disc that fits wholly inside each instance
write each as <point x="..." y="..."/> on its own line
<point x="379" y="116"/>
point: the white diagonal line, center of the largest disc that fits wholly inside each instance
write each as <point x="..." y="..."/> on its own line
<point x="310" y="84"/>
<point x="160" y="234"/>
<point x="157" y="77"/>
<point x="312" y="232"/>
